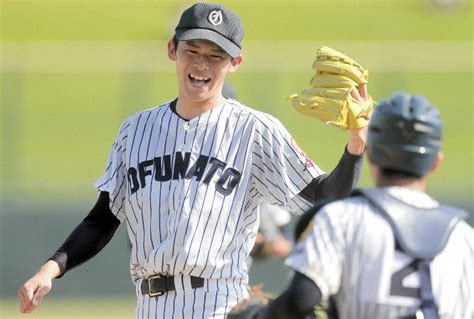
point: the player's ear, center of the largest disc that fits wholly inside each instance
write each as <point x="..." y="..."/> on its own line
<point x="235" y="62"/>
<point x="171" y="51"/>
<point x="438" y="159"/>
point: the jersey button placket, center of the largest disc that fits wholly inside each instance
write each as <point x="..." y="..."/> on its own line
<point x="186" y="129"/>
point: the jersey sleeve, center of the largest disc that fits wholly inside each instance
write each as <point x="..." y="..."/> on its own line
<point x="280" y="167"/>
<point x="114" y="179"/>
<point x="319" y="254"/>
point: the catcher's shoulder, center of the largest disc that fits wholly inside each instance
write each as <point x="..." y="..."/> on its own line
<point x="355" y="205"/>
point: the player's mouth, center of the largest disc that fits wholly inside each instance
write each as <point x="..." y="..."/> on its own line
<point x="198" y="79"/>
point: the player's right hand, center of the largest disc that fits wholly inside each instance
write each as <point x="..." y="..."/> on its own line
<point x="33" y="290"/>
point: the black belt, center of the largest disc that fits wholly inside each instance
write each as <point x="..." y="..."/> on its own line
<point x="158" y="285"/>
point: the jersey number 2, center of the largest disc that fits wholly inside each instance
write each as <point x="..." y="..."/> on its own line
<point x="396" y="284"/>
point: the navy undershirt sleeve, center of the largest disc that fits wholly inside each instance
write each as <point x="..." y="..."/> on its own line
<point x="339" y="183"/>
<point x="298" y="301"/>
<point x="89" y="237"/>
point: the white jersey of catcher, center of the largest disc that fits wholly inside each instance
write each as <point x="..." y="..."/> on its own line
<point x="190" y="189"/>
<point x="349" y="251"/>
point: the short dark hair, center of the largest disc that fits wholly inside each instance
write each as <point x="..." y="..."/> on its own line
<point x="175" y="42"/>
<point x="392" y="173"/>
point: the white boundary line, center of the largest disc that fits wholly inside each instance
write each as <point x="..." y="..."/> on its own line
<point x="151" y="57"/>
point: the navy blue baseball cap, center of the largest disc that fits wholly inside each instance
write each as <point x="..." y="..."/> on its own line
<point x="211" y="22"/>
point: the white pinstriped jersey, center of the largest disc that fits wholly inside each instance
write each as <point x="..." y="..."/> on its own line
<point x="350" y="251"/>
<point x="190" y="190"/>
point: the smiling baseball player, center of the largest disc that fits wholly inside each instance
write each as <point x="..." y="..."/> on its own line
<point x="187" y="178"/>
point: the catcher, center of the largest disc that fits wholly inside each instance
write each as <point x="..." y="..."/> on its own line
<point x="388" y="252"/>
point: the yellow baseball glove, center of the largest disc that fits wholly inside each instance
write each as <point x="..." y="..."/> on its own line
<point x="334" y="94"/>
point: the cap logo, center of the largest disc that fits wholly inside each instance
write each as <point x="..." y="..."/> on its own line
<point x="215" y="17"/>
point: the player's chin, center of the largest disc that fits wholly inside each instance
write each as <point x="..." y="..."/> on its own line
<point x="200" y="93"/>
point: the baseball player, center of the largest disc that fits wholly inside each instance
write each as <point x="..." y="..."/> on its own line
<point x="392" y="251"/>
<point x="186" y="177"/>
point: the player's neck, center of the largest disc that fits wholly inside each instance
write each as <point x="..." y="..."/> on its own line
<point x="189" y="109"/>
<point x="415" y="184"/>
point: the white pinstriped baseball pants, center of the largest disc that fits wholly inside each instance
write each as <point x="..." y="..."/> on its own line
<point x="213" y="300"/>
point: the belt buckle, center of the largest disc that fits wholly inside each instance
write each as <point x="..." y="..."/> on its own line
<point x="154" y="294"/>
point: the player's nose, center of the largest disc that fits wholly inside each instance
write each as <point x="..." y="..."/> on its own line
<point x="201" y="64"/>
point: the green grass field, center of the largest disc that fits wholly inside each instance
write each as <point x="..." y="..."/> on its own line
<point x="98" y="307"/>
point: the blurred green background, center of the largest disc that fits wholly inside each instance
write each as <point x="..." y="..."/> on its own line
<point x="72" y="70"/>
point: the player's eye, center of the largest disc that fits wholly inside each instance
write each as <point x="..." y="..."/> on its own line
<point x="192" y="52"/>
<point x="217" y="57"/>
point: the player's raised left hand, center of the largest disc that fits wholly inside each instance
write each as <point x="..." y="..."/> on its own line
<point x="358" y="136"/>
